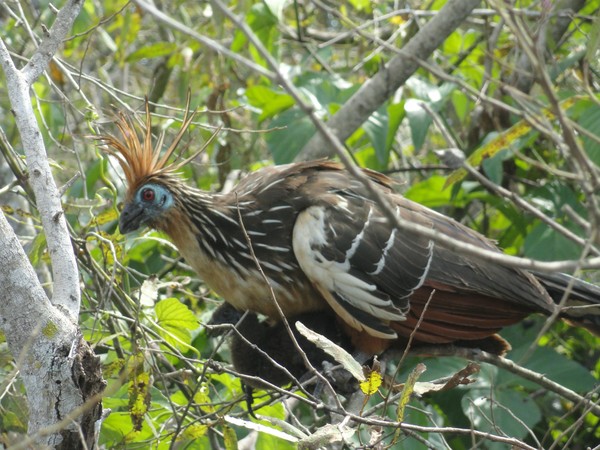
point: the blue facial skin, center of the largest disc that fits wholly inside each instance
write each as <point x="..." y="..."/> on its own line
<point x="149" y="203"/>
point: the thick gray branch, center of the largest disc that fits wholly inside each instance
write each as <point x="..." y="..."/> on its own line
<point x="64" y="267"/>
<point x="52" y="41"/>
<point x="58" y="368"/>
<point x="39" y="336"/>
<point x="383" y="85"/>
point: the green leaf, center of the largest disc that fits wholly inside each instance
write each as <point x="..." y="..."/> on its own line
<point x="590" y="120"/>
<point x="266" y="441"/>
<point x="174" y="321"/>
<point x="376" y="127"/>
<point x="276" y="7"/>
<point x="152" y="51"/>
<point x="286" y="143"/>
<point x="509" y="138"/>
<point x="269" y="101"/>
<point x="544" y="360"/>
<point x="229" y="438"/>
<point x="37" y="250"/>
<point x="395" y="115"/>
<point x="502" y="415"/>
<point x="361" y="5"/>
<point x="593" y="43"/>
<point x="430" y="192"/>
<point x="418" y="120"/>
<point x="117" y="429"/>
<point x="547" y="244"/>
<point x="264" y="24"/>
<point x="494" y="167"/>
<point x="407" y="391"/>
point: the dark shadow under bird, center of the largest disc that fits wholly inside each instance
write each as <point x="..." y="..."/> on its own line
<point x="323" y="244"/>
<point x="265" y="351"/>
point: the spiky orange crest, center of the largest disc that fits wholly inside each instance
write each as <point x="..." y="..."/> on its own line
<point x="139" y="159"/>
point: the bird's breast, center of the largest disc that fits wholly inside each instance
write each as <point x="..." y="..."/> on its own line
<point x="238" y="280"/>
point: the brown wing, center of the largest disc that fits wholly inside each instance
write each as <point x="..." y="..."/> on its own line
<point x="378" y="278"/>
<point x="361" y="265"/>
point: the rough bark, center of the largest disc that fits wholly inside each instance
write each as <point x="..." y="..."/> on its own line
<point x="61" y="374"/>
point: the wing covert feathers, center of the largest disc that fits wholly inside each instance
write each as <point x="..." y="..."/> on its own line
<point x="375" y="276"/>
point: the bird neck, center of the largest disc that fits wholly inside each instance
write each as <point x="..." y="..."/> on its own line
<point x="200" y="218"/>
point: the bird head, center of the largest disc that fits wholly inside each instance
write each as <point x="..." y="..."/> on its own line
<point x="151" y="179"/>
<point x="148" y="205"/>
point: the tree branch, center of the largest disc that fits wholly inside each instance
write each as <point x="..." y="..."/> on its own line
<point x="383" y="85"/>
<point x="333" y="142"/>
<point x="64" y="267"/>
<point x="52" y="42"/>
<point x="209" y="43"/>
<point x="58" y="368"/>
<point x="507" y="364"/>
<point x="40" y="336"/>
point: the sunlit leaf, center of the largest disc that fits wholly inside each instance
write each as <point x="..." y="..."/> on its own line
<point x="276" y="7"/>
<point x="270" y="102"/>
<point x="260" y="428"/>
<point x="503" y="141"/>
<point x="202" y="399"/>
<point x="230" y="438"/>
<point x="139" y="398"/>
<point x="149" y="292"/>
<point x="195" y="431"/>
<point x="372" y="383"/>
<point x="174" y="321"/>
<point x="109" y="215"/>
<point x="419" y="121"/>
<point x="408" y="390"/>
<point x="334" y="350"/>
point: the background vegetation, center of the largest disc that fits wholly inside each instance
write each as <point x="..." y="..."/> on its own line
<point x="514" y="87"/>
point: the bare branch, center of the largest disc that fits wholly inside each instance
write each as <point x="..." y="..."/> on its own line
<point x="507" y="364"/>
<point x="209" y="43"/>
<point x="383" y="85"/>
<point x="64" y="267"/>
<point x="52" y="41"/>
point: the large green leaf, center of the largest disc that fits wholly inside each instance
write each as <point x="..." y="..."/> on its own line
<point x="376" y="127"/>
<point x="543" y="360"/>
<point x="547" y="244"/>
<point x="590" y="120"/>
<point x="501" y="412"/>
<point x="396" y="114"/>
<point x="431" y="193"/>
<point x="434" y="97"/>
<point x="285" y="143"/>
<point x="175" y="321"/>
<point x="419" y="121"/>
<point x="268" y="101"/>
<point x="264" y="24"/>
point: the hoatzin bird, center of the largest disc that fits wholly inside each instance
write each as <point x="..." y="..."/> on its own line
<point x="324" y="245"/>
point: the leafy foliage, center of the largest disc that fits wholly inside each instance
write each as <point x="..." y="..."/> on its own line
<point x="170" y="384"/>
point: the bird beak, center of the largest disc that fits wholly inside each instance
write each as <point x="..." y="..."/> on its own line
<point x="131" y="217"/>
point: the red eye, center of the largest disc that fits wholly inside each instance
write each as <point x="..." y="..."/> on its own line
<point x="148" y="195"/>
